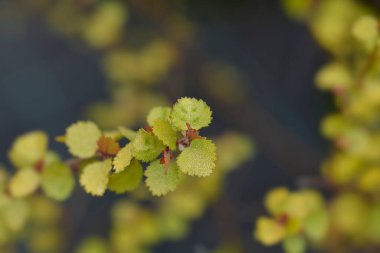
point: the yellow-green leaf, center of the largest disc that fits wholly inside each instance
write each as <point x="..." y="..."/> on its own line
<point x="333" y="75"/>
<point x="28" y="149"/>
<point x="57" y="181"/>
<point x="159" y="112"/>
<point x="24" y="183"/>
<point x="198" y="159"/>
<point x="15" y="214"/>
<point x="95" y="177"/>
<point x="374" y="223"/>
<point x="192" y="111"/>
<point x="316" y="225"/>
<point x="82" y="138"/>
<point x="123" y="158"/>
<point x="268" y="231"/>
<point x="275" y="200"/>
<point x="158" y="182"/>
<point x="294" y="244"/>
<point x="369" y="181"/>
<point x="366" y="30"/>
<point x="127" y="180"/>
<point x="164" y="131"/>
<point x="146" y="146"/>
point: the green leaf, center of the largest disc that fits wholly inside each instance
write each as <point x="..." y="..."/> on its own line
<point x="81" y="139"/>
<point x="95" y="177"/>
<point x="348" y="213"/>
<point x="275" y="200"/>
<point x="198" y="159"/>
<point x="127" y="133"/>
<point x="146" y="146"/>
<point x="127" y="180"/>
<point x="51" y="158"/>
<point x="334" y="125"/>
<point x="164" y="131"/>
<point x="28" y="149"/>
<point x="374" y="223"/>
<point x="268" y="231"/>
<point x="369" y="180"/>
<point x="366" y="30"/>
<point x="57" y="181"/>
<point x="160" y="183"/>
<point x="316" y="225"/>
<point x="295" y="244"/>
<point x="24" y="183"/>
<point x="123" y="158"/>
<point x="190" y="110"/>
<point x="333" y="75"/>
<point x="158" y="113"/>
<point x="15" y="214"/>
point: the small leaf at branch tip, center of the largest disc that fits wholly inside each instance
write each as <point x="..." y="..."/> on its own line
<point x="82" y="138"/>
<point x="158" y="113"/>
<point x="191" y="111"/>
<point x="28" y="149"/>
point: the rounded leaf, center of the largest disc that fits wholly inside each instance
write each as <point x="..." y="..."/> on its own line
<point x="15" y="214"/>
<point x="316" y="225"/>
<point x="349" y="213"/>
<point x="268" y="231"/>
<point x="127" y="180"/>
<point x="275" y="200"/>
<point x="333" y="75"/>
<point x="28" y="149"/>
<point x="160" y="183"/>
<point x="198" y="159"/>
<point x="334" y="125"/>
<point x="192" y="111"/>
<point x="81" y="139"/>
<point x="369" y="180"/>
<point x="159" y="112"/>
<point x="57" y="181"/>
<point x="164" y="131"/>
<point x="95" y="177"/>
<point x="24" y="183"/>
<point x="295" y="244"/>
<point x="146" y="146"/>
<point x="123" y="158"/>
<point x="366" y="30"/>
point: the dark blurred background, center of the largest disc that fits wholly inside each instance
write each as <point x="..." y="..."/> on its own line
<point x="45" y="83"/>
